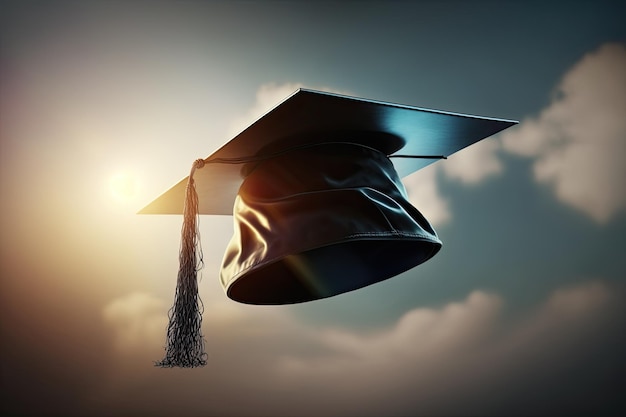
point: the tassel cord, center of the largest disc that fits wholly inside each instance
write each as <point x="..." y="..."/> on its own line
<point x="185" y="342"/>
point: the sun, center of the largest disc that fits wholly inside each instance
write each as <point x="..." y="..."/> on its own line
<point x="122" y="186"/>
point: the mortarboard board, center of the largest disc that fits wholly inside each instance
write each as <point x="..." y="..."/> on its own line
<point x="318" y="205"/>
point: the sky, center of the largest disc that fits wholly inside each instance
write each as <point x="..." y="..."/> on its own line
<point x="105" y="104"/>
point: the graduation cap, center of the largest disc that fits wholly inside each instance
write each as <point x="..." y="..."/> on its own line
<point x="318" y="205"/>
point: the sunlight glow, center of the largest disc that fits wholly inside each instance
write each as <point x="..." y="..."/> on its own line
<point x="122" y="186"/>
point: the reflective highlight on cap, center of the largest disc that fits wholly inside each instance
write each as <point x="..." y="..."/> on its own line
<point x="321" y="221"/>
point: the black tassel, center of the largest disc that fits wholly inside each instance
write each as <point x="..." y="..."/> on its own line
<point x="185" y="343"/>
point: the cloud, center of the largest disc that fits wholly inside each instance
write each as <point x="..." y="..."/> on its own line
<point x="465" y="349"/>
<point x="423" y="336"/>
<point x="578" y="142"/>
<point x="138" y="320"/>
<point x="475" y="163"/>
<point x="424" y="194"/>
<point x="460" y="349"/>
<point x="567" y="312"/>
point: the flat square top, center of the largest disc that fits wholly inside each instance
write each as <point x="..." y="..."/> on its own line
<point x="307" y="116"/>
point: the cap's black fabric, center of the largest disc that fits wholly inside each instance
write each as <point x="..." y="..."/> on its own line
<point x="321" y="220"/>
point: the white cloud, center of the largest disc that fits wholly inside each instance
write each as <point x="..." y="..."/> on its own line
<point x="578" y="143"/>
<point x="422" y="336"/>
<point x="138" y="320"/>
<point x="423" y="193"/>
<point x="575" y="302"/>
<point x="462" y="348"/>
<point x="567" y="311"/>
<point x="458" y="348"/>
<point x="474" y="163"/>
<point x="579" y="140"/>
